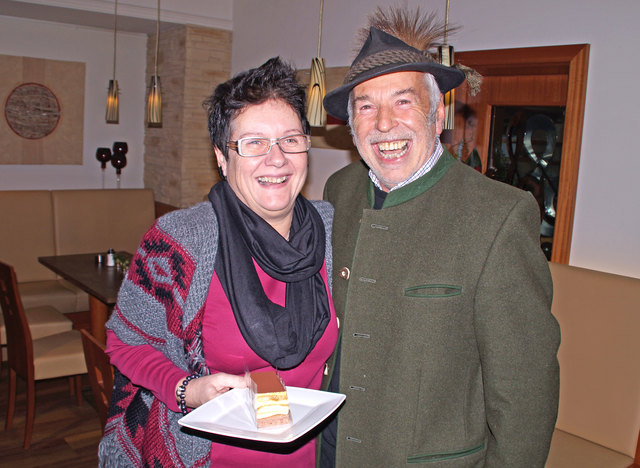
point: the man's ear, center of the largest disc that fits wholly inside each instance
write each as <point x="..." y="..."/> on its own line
<point x="222" y="162"/>
<point x="440" y="116"/>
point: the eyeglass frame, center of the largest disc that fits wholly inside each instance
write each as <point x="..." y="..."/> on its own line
<point x="272" y="141"/>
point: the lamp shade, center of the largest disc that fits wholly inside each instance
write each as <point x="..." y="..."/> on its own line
<point x="113" y="113"/>
<point x="445" y="52"/>
<point x="154" y="103"/>
<point x="316" y="114"/>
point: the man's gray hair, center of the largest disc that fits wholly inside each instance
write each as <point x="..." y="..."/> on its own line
<point x="434" y="98"/>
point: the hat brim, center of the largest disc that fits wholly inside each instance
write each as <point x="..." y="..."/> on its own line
<point x="336" y="101"/>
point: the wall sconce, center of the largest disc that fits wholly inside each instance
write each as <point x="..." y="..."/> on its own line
<point x="103" y="155"/>
<point x="154" y="99"/>
<point x="113" y="115"/>
<point x="119" y="159"/>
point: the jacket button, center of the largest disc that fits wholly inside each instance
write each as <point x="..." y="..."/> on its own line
<point x="344" y="273"/>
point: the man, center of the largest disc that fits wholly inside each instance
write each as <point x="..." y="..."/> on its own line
<point x="448" y="346"/>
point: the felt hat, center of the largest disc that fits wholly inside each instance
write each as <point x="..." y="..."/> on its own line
<point x="381" y="54"/>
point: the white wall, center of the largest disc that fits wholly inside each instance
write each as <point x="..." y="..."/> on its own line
<point x="94" y="47"/>
<point x="606" y="232"/>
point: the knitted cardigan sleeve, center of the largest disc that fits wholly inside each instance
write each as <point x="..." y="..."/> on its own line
<point x="146" y="367"/>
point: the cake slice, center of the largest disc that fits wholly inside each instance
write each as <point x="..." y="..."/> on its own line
<point x="270" y="400"/>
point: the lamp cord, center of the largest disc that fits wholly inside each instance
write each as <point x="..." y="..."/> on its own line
<point x="157" y="40"/>
<point x="115" y="29"/>
<point x="446" y="24"/>
<point x="320" y="27"/>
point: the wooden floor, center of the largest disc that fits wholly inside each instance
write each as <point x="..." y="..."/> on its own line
<point x="64" y="435"/>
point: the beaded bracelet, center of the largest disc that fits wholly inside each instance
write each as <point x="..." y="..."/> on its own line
<point x="181" y="392"/>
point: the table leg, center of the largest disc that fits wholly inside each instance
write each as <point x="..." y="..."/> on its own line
<point x="99" y="313"/>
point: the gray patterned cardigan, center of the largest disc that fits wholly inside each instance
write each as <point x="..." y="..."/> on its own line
<point x="161" y="303"/>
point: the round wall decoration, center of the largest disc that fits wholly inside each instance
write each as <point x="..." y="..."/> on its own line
<point x="32" y="111"/>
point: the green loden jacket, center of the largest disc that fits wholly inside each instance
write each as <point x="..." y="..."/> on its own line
<point x="448" y="345"/>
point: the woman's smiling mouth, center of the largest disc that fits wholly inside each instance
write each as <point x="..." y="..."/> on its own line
<point x="272" y="180"/>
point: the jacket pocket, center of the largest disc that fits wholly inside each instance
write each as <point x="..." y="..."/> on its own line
<point x="433" y="290"/>
<point x="436" y="457"/>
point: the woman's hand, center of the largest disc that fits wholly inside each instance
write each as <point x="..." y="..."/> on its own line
<point x="203" y="389"/>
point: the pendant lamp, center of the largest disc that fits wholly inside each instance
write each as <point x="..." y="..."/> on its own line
<point x="316" y="114"/>
<point x="154" y="98"/>
<point x="112" y="115"/>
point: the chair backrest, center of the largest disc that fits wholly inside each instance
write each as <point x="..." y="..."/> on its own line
<point x="100" y="373"/>
<point x="19" y="343"/>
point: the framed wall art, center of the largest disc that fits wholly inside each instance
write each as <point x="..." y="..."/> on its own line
<point x="42" y="111"/>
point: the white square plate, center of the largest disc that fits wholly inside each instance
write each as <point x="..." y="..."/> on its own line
<point x="228" y="415"/>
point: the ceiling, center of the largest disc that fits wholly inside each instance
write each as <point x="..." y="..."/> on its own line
<point x="131" y="18"/>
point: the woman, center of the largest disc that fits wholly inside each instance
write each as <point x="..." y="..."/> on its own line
<point x="233" y="284"/>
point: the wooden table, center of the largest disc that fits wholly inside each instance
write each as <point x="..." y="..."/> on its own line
<point x="101" y="282"/>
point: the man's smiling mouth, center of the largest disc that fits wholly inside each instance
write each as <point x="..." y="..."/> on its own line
<point x="392" y="149"/>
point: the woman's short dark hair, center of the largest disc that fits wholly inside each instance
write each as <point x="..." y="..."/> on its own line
<point x="274" y="79"/>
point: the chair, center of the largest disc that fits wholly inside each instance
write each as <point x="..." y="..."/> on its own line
<point x="58" y="355"/>
<point x="43" y="321"/>
<point x="100" y="374"/>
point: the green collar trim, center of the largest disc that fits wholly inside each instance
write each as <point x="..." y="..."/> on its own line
<point x="417" y="187"/>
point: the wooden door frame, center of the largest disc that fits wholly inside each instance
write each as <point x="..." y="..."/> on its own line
<point x="571" y="61"/>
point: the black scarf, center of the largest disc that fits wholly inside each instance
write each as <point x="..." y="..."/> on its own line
<point x="282" y="336"/>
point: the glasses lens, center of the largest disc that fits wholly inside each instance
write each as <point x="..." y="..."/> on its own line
<point x="294" y="143"/>
<point x="253" y="146"/>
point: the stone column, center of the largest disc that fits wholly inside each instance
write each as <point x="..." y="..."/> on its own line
<point x="178" y="162"/>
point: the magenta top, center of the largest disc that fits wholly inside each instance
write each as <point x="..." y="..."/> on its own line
<point x="225" y="350"/>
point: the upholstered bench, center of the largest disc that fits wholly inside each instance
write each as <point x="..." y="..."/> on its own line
<point x="58" y="222"/>
<point x="599" y="413"/>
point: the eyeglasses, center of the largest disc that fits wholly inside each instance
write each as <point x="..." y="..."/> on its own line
<point x="251" y="147"/>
